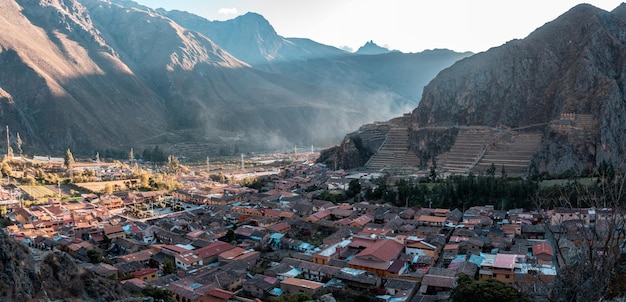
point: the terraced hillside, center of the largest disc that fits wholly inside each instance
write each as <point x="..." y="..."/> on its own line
<point x="513" y="151"/>
<point x="469" y="147"/>
<point x="394" y="152"/>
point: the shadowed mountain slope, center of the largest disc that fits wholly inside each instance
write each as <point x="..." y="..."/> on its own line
<point x="93" y="75"/>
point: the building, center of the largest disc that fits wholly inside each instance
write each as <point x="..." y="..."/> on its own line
<point x="295" y="285"/>
<point x="378" y="257"/>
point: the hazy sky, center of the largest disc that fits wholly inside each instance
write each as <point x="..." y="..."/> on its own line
<point x="405" y="25"/>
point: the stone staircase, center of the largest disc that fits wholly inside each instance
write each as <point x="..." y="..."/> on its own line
<point x="394" y="152"/>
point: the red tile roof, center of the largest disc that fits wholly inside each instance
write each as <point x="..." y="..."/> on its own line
<point x="383" y="250"/>
<point x="543" y="248"/>
<point x="214" y="249"/>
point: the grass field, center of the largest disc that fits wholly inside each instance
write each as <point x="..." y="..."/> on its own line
<point x="562" y="182"/>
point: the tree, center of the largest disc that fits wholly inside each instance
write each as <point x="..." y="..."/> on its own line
<point x="94" y="255"/>
<point x="354" y="188"/>
<point x="144" y="179"/>
<point x="490" y="290"/>
<point x="68" y="159"/>
<point x="168" y="267"/>
<point x="6" y="169"/>
<point x="108" y="188"/>
<point x="19" y="144"/>
<point x="157" y="293"/>
<point x="433" y="170"/>
<point x="585" y="264"/>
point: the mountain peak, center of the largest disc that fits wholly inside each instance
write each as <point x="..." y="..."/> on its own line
<point x="371" y="48"/>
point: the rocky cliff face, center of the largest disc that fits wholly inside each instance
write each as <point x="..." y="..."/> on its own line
<point x="55" y="277"/>
<point x="567" y="79"/>
<point x="572" y="65"/>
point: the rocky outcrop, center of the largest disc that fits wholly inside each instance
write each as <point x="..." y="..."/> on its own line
<point x="55" y="277"/>
<point x="566" y="80"/>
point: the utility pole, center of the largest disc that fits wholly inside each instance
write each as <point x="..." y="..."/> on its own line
<point x="242" y="166"/>
<point x="208" y="165"/>
<point x="8" y="142"/>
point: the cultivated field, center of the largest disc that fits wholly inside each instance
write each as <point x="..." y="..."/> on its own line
<point x="38" y="192"/>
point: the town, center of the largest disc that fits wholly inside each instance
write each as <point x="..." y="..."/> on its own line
<point x="210" y="238"/>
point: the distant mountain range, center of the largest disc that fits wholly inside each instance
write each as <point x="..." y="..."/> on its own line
<point x="96" y="75"/>
<point x="565" y="81"/>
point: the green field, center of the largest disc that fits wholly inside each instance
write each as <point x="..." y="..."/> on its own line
<point x="562" y="182"/>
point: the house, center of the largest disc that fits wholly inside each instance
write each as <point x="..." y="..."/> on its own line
<point x="282" y="227"/>
<point x="260" y="285"/>
<point x="378" y="257"/>
<point x="186" y="261"/>
<point x="238" y="253"/>
<point x="141" y="256"/>
<point x="401" y="289"/>
<point x="216" y="295"/>
<point x="543" y="251"/>
<point x="295" y="285"/>
<point x="418" y="246"/>
<point x="105" y="270"/>
<point x="202" y="256"/>
<point x="434" y="221"/>
<point x="358" y="279"/>
<point x="432" y="284"/>
<point x="114" y="231"/>
<point x="500" y="267"/>
<point x="332" y="252"/>
<point x="361" y="221"/>
<point x="533" y="231"/>
<point x="146" y="275"/>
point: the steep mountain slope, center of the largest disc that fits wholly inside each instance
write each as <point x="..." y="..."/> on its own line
<point x="565" y="80"/>
<point x="96" y="75"/>
<point x="252" y="39"/>
<point x="572" y="65"/>
<point x="47" y="76"/>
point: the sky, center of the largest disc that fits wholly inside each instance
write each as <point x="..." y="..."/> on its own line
<point x="405" y="25"/>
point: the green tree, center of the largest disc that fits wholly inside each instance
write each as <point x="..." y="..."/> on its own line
<point x="168" y="267"/>
<point x="94" y="255"/>
<point x="490" y="290"/>
<point x="157" y="293"/>
<point x="433" y="171"/>
<point x="354" y="188"/>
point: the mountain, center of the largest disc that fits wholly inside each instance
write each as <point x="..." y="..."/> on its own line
<point x="371" y="48"/>
<point x="252" y="39"/>
<point x="95" y="75"/>
<point x="565" y="82"/>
